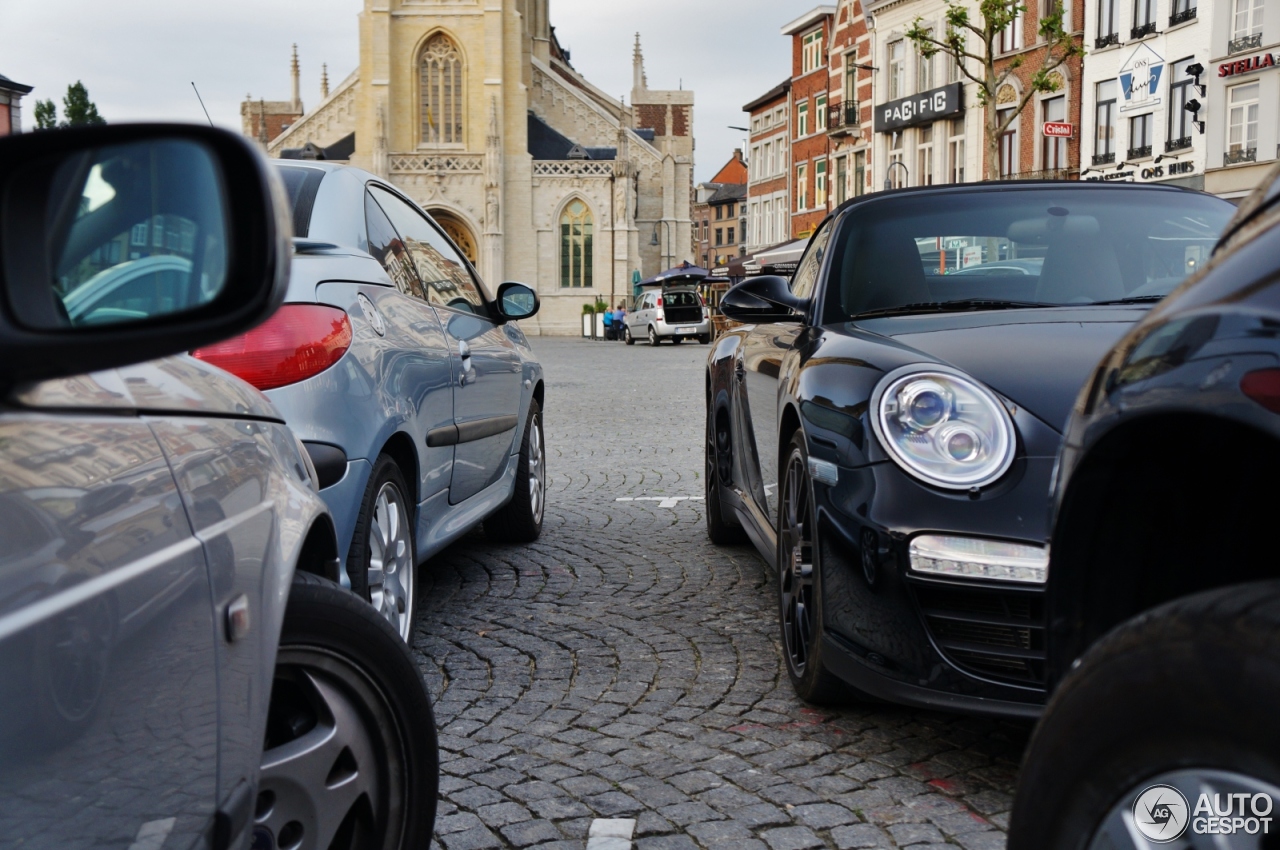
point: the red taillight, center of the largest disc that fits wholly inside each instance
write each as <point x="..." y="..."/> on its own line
<point x="1263" y="386"/>
<point x="659" y="300"/>
<point x="299" y="341"/>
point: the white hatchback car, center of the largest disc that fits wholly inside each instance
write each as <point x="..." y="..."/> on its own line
<point x="676" y="313"/>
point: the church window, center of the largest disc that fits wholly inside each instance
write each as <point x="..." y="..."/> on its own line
<point x="441" y="89"/>
<point x="575" y="245"/>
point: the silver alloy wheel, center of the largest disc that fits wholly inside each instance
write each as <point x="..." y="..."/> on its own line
<point x="331" y="785"/>
<point x="1118" y="830"/>
<point x="391" y="560"/>
<point x="653" y="336"/>
<point x="537" y="470"/>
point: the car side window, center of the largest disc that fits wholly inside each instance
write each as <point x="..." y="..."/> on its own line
<point x="445" y="278"/>
<point x="806" y="276"/>
<point x="387" y="248"/>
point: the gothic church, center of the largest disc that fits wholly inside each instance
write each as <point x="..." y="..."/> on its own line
<point x="472" y="108"/>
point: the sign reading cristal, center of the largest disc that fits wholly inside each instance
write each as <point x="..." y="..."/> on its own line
<point x="923" y="108"/>
<point x="1059" y="129"/>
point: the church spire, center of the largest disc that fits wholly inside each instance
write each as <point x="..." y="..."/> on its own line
<point x="638" y="82"/>
<point x="324" y="80"/>
<point x="297" y="81"/>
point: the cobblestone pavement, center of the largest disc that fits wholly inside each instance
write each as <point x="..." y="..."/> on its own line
<point x="624" y="667"/>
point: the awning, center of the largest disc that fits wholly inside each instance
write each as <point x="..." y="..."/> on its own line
<point x="686" y="272"/>
<point x="787" y="252"/>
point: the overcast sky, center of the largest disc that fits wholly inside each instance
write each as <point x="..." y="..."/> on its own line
<point x="138" y="58"/>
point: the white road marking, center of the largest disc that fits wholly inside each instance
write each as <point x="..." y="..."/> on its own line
<point x="610" y="834"/>
<point x="151" y="835"/>
<point x="663" y="501"/>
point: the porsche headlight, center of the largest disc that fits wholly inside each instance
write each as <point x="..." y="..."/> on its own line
<point x="943" y="427"/>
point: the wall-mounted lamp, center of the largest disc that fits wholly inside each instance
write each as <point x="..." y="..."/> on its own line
<point x="1193" y="106"/>
<point x="1194" y="70"/>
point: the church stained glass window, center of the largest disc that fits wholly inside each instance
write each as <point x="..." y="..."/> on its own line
<point x="441" y="91"/>
<point x="575" y="245"/>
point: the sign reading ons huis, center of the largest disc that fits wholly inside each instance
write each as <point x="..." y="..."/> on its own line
<point x="923" y="108"/>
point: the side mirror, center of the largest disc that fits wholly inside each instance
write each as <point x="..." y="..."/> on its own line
<point x="126" y="243"/>
<point x="516" y="301"/>
<point x="763" y="299"/>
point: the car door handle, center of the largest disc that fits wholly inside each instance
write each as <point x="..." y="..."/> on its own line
<point x="464" y="354"/>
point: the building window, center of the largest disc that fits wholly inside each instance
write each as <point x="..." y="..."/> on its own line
<point x="1242" y="123"/>
<point x="1011" y="36"/>
<point x="802" y="187"/>
<point x="924" y="157"/>
<point x="1104" y="143"/>
<point x="955" y="151"/>
<point x="781" y="229"/>
<point x="1246" y="19"/>
<point x="1008" y="144"/>
<point x="859" y="174"/>
<point x="850" y="79"/>
<point x="766" y="224"/>
<point x="802" y="120"/>
<point x="820" y="113"/>
<point x="953" y="64"/>
<point x="729" y="240"/>
<point x="719" y="213"/>
<point x="1144" y="18"/>
<point x="897" y="70"/>
<point x="440" y="80"/>
<point x="730" y="213"/>
<point x="1107" y="32"/>
<point x="1140" y="136"/>
<point x="811" y="58"/>
<point x="719" y="236"/>
<point x="1179" y="118"/>
<point x="842" y="180"/>
<point x="1182" y="10"/>
<point x="924" y="69"/>
<point x="138" y="235"/>
<point x="820" y="184"/>
<point x="897" y="176"/>
<point x="1053" y="149"/>
<point x="575" y="245"/>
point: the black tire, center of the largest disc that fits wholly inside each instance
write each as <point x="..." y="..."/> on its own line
<point x="1186" y="688"/>
<point x="626" y="335"/>
<point x="718" y="468"/>
<point x="704" y="339"/>
<point x="520" y="520"/>
<point x="393" y="588"/>
<point x="800" y="614"/>
<point x="653" y="337"/>
<point x="344" y="676"/>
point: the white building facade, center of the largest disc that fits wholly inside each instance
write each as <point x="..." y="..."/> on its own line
<point x="1242" y="105"/>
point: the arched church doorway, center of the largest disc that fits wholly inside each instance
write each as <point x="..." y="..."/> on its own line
<point x="458" y="232"/>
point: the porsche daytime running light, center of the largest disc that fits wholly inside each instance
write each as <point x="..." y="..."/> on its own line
<point x="975" y="557"/>
<point x="943" y="427"/>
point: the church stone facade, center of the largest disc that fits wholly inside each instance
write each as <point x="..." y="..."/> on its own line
<point x="471" y="108"/>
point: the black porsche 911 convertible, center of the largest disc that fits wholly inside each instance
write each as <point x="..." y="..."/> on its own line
<point x="884" y="429"/>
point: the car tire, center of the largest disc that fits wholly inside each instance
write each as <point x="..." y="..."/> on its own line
<point x="718" y="456"/>
<point x="348" y="708"/>
<point x="800" y="614"/>
<point x="520" y="520"/>
<point x="382" y="560"/>
<point x="1182" y="695"/>
<point x="653" y="336"/>
<point x="705" y="339"/>
<point x="626" y="335"/>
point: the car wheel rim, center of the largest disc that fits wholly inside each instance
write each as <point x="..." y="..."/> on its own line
<point x="391" y="560"/>
<point x="653" y="337"/>
<point x="795" y="568"/>
<point x="537" y="469"/>
<point x="1136" y="820"/>
<point x="332" y="765"/>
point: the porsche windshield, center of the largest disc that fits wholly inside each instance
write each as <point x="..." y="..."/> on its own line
<point x="1020" y="247"/>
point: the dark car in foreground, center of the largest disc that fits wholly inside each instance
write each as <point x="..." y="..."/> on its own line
<point x="177" y="667"/>
<point x="884" y="431"/>
<point x="1164" y="584"/>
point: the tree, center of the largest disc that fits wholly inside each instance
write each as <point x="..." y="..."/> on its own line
<point x="46" y="115"/>
<point x="78" y="109"/>
<point x="997" y="16"/>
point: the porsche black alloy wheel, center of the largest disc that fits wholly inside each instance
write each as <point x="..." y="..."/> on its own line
<point x="350" y="758"/>
<point x="718" y="469"/>
<point x="799" y="583"/>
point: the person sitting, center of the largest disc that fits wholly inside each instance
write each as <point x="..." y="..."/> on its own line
<point x="619" y="320"/>
<point x="608" y="325"/>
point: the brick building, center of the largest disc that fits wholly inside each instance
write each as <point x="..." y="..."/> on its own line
<point x="769" y="169"/>
<point x="809" y="100"/>
<point x="720" y="215"/>
<point x="849" y="104"/>
<point x="11" y="95"/>
<point x="265" y="120"/>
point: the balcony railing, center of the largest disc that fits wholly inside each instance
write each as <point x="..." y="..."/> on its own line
<point x="1046" y="174"/>
<point x="1240" y="45"/>
<point x="1177" y="144"/>
<point x="1182" y="17"/>
<point x="1139" y="152"/>
<point x="1104" y="158"/>
<point x="1239" y="155"/>
<point x="1106" y="40"/>
<point x="1143" y="29"/>
<point x="843" y="118"/>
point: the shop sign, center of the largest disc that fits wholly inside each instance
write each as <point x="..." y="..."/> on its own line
<point x="923" y="108"/>
<point x="1244" y="66"/>
<point x="1152" y="172"/>
<point x="1140" y="79"/>
<point x="1059" y="129"/>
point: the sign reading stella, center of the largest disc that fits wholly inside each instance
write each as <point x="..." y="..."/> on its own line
<point x="923" y="108"/>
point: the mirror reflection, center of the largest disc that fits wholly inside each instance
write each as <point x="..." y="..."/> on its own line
<point x="518" y="301"/>
<point x="137" y="231"/>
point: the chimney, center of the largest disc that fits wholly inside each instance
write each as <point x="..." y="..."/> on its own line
<point x="297" y="81"/>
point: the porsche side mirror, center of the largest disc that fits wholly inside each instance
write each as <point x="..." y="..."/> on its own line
<point x="763" y="299"/>
<point x="126" y="243"/>
<point x="516" y="301"/>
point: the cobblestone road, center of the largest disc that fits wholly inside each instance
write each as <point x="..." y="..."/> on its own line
<point x="623" y="667"/>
